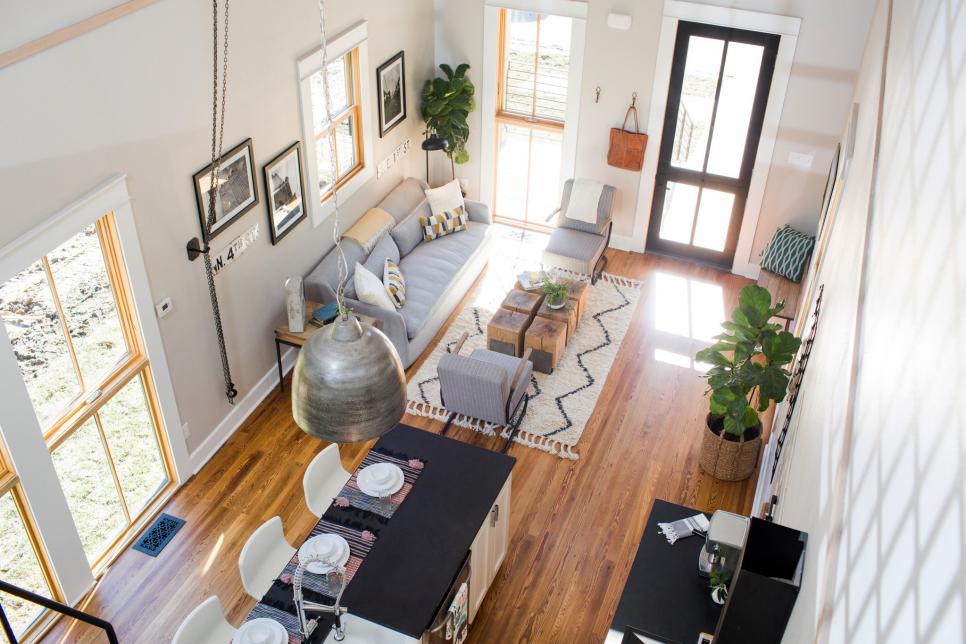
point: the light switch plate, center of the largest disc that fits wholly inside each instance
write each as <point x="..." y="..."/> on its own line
<point x="163" y="307"/>
<point x="801" y="160"/>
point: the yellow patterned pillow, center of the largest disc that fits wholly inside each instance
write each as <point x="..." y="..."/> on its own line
<point x="444" y="223"/>
<point x="392" y="279"/>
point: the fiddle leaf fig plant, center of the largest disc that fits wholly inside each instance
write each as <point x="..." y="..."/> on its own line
<point x="748" y="362"/>
<point x="447" y="102"/>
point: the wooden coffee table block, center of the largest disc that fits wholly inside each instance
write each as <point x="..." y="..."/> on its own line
<point x="566" y="316"/>
<point x="523" y="302"/>
<point x="547" y="338"/>
<point x="505" y="332"/>
<point x="577" y="293"/>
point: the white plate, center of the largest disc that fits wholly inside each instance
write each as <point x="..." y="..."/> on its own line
<point x="381" y="479"/>
<point x="261" y="631"/>
<point x="330" y="546"/>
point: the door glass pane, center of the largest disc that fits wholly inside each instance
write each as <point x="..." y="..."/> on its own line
<point x="512" y="168"/>
<point x="84" y="288"/>
<point x="700" y="83"/>
<point x="82" y="467"/>
<point x="19" y="566"/>
<point x="520" y="62"/>
<point x="133" y="440"/>
<point x="324" y="160"/>
<point x="346" y="142"/>
<point x="735" y="102"/>
<point x="552" y="67"/>
<point x="680" y="201"/>
<point x="33" y="324"/>
<point x="714" y="215"/>
<point x="546" y="150"/>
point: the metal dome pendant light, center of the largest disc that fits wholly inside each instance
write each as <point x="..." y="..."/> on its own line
<point x="348" y="384"/>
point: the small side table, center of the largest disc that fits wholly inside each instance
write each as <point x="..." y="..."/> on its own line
<point x="523" y="302"/>
<point x="577" y="294"/>
<point x="547" y="338"/>
<point x="297" y="340"/>
<point x="504" y="332"/>
<point x="566" y="315"/>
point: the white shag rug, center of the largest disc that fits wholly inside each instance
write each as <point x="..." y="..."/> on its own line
<point x="561" y="403"/>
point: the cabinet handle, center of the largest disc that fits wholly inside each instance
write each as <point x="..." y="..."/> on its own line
<point x="494" y="515"/>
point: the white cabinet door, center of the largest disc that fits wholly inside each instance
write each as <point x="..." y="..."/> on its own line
<point x="499" y="528"/>
<point x="478" y="568"/>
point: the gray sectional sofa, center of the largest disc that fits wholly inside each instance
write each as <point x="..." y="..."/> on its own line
<point x="438" y="274"/>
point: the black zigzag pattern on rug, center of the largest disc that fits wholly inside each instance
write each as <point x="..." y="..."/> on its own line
<point x="580" y="363"/>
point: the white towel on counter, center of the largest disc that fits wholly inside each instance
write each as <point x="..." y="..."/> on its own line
<point x="584" y="200"/>
<point x="684" y="527"/>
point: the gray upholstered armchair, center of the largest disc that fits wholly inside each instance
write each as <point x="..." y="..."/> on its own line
<point x="485" y="385"/>
<point x="578" y="245"/>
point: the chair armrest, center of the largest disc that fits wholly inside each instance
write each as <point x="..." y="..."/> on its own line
<point x="390" y="322"/>
<point x="478" y="211"/>
<point x="519" y="372"/>
<point x="552" y="215"/>
<point x="460" y="342"/>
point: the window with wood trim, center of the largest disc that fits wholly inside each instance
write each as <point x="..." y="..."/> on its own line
<point x="346" y="125"/>
<point x="532" y="91"/>
<point x="21" y="563"/>
<point x="74" y="331"/>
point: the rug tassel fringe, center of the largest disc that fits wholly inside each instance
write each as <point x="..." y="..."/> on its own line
<point x="607" y="277"/>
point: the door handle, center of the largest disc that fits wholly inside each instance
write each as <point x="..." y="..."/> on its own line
<point x="494" y="515"/>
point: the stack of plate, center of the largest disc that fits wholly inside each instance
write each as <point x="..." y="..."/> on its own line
<point x="261" y="631"/>
<point x="330" y="547"/>
<point x="380" y="480"/>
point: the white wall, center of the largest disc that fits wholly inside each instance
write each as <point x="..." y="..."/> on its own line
<point x="134" y="97"/>
<point x="879" y="484"/>
<point x="623" y="62"/>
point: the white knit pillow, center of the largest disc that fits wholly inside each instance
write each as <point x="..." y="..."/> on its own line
<point x="446" y="198"/>
<point x="370" y="290"/>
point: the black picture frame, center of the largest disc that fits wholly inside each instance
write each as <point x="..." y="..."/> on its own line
<point x="241" y="185"/>
<point x="391" y="91"/>
<point x="286" y="205"/>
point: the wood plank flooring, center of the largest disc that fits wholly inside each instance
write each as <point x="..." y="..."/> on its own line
<point x="574" y="527"/>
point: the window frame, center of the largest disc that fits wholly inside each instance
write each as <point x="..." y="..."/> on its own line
<point x="354" y="41"/>
<point x="352" y="111"/>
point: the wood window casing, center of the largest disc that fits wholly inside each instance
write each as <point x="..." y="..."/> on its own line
<point x="352" y="111"/>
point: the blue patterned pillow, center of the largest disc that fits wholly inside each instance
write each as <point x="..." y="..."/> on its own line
<point x="787" y="253"/>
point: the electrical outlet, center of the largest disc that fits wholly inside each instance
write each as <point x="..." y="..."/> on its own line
<point x="185" y="430"/>
<point x="163" y="307"/>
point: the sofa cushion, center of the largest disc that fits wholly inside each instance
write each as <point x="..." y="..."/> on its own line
<point x="787" y="253"/>
<point x="408" y="233"/>
<point x="431" y="268"/>
<point x="385" y="249"/>
<point x="444" y="223"/>
<point x="395" y="283"/>
<point x="404" y="198"/>
<point x="574" y="250"/>
<point x="370" y="289"/>
<point x="321" y="283"/>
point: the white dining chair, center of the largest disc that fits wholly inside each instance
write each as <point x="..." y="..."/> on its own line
<point x="324" y="479"/>
<point x="263" y="557"/>
<point x="206" y="624"/>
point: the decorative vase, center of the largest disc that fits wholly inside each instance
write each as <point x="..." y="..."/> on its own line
<point x="295" y="304"/>
<point x="719" y="594"/>
<point x="726" y="457"/>
<point x="556" y="306"/>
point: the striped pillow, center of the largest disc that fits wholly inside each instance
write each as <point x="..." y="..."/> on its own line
<point x="392" y="279"/>
<point x="787" y="253"/>
<point x="444" y="223"/>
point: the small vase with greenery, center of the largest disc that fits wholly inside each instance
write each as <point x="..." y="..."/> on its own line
<point x="555" y="290"/>
<point x="747" y="373"/>
<point x="447" y="102"/>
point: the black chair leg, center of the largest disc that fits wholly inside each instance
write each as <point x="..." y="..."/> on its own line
<point x="449" y="421"/>
<point x="515" y="427"/>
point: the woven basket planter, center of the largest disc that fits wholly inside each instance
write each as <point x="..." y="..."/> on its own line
<point x="729" y="460"/>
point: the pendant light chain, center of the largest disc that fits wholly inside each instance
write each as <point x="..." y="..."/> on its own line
<point x="217" y="137"/>
<point x="336" y="238"/>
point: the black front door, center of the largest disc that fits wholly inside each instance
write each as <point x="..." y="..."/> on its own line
<point x="720" y="79"/>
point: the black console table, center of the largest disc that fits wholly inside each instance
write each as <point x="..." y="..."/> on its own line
<point x="664" y="597"/>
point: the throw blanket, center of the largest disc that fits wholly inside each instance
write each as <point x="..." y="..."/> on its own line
<point x="584" y="199"/>
<point x="369" y="228"/>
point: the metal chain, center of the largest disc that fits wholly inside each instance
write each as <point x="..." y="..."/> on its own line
<point x="217" y="138"/>
<point x="326" y="93"/>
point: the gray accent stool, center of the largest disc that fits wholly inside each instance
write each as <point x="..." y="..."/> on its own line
<point x="579" y="246"/>
<point x="486" y="385"/>
<point x="438" y="274"/>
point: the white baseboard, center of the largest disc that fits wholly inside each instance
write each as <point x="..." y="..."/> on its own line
<point x="745" y="269"/>
<point x="627" y="242"/>
<point x="240" y="412"/>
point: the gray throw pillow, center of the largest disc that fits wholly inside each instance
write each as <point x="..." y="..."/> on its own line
<point x="384" y="249"/>
<point x="408" y="233"/>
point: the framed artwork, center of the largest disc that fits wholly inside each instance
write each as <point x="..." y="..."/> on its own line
<point x="285" y="191"/>
<point x="391" y="84"/>
<point x="237" y="190"/>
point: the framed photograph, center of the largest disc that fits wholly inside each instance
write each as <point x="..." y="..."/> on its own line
<point x="285" y="191"/>
<point x="391" y="82"/>
<point x="237" y="191"/>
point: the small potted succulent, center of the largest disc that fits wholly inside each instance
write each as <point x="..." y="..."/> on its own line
<point x="747" y="372"/>
<point x="555" y="291"/>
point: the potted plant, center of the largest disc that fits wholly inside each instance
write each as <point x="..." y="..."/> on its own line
<point x="555" y="291"/>
<point x="747" y="372"/>
<point x="447" y="102"/>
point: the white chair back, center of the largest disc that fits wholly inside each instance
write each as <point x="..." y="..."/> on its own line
<point x="324" y="479"/>
<point x="263" y="557"/>
<point x="206" y="624"/>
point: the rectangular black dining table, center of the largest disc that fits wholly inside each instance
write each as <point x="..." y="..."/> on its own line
<point x="418" y="552"/>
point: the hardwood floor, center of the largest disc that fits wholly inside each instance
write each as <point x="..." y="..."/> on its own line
<point x="575" y="525"/>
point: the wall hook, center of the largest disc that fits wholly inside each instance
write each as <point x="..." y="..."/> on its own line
<point x="597" y="94"/>
<point x="634" y="99"/>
